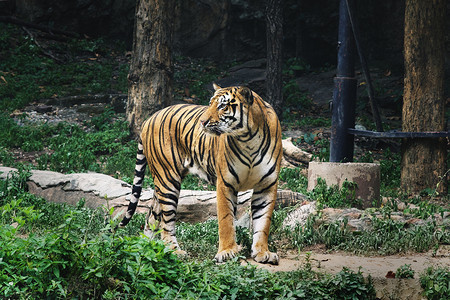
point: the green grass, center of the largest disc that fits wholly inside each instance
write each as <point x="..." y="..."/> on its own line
<point x="70" y="148"/>
<point x="195" y="77"/>
<point x="59" y="251"/>
<point x="27" y="75"/>
<point x="435" y="282"/>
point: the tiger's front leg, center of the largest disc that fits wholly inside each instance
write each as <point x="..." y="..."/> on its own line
<point x="226" y="207"/>
<point x="262" y="204"/>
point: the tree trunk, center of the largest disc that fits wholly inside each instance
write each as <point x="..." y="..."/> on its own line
<point x="424" y="160"/>
<point x="150" y="76"/>
<point x="274" y="32"/>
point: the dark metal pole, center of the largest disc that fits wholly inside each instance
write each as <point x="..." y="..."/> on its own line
<point x="365" y="68"/>
<point x="344" y="95"/>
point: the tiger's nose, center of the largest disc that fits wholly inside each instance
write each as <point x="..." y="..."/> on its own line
<point x="204" y="123"/>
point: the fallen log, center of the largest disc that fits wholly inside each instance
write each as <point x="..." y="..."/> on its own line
<point x="292" y="152"/>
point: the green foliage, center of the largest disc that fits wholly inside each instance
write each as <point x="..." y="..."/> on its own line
<point x="436" y="283"/>
<point x="309" y="121"/>
<point x="334" y="196"/>
<point x="390" y="173"/>
<point x="105" y="146"/>
<point x="295" y="66"/>
<point x="292" y="179"/>
<point x="425" y="208"/>
<point x="193" y="182"/>
<point x="195" y="76"/>
<point x="294" y="98"/>
<point x="385" y="236"/>
<point x="324" y="149"/>
<point x="28" y="75"/>
<point x="404" y="271"/>
<point x="200" y="240"/>
<point x="71" y="251"/>
<point x="76" y="255"/>
<point x="29" y="138"/>
<point x="305" y="284"/>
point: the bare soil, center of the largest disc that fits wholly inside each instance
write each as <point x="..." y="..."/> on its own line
<point x="381" y="268"/>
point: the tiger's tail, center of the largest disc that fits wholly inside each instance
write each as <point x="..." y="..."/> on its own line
<point x="139" y="173"/>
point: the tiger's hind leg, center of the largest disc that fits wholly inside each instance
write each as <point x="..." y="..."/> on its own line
<point x="163" y="214"/>
<point x="262" y="206"/>
<point x="153" y="219"/>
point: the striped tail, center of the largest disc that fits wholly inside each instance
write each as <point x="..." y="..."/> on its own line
<point x="139" y="172"/>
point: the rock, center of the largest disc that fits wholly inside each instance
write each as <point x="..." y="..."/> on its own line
<point x="244" y="221"/>
<point x="4" y="172"/>
<point x="250" y="73"/>
<point x="42" y="109"/>
<point x="415" y="221"/>
<point x="358" y="225"/>
<point x="300" y="215"/>
<point x="331" y="215"/>
<point x="101" y="190"/>
<point x="101" y="185"/>
<point x="46" y="179"/>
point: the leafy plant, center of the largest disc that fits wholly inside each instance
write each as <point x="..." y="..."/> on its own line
<point x="292" y="179"/>
<point x="405" y="271"/>
<point x="334" y="196"/>
<point x="390" y="173"/>
<point x="435" y="282"/>
<point x="28" y="75"/>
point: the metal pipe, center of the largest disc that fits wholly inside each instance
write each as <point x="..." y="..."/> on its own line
<point x="365" y="69"/>
<point x="399" y="134"/>
<point x="344" y="95"/>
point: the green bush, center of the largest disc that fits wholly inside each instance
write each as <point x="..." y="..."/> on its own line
<point x="404" y="271"/>
<point x="292" y="179"/>
<point x="59" y="251"/>
<point x="334" y="196"/>
<point x="436" y="283"/>
<point x="29" y="75"/>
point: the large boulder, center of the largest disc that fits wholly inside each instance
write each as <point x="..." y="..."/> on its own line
<point x="100" y="190"/>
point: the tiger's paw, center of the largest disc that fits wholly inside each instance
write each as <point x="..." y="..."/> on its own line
<point x="180" y="252"/>
<point x="224" y="255"/>
<point x="266" y="257"/>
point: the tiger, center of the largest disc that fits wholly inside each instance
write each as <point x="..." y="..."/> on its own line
<point x="234" y="143"/>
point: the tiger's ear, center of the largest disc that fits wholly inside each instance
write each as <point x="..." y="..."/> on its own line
<point x="246" y="94"/>
<point x="216" y="87"/>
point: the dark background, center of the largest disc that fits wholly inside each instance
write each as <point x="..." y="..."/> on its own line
<point x="233" y="29"/>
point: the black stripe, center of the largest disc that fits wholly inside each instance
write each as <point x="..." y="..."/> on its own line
<point x="237" y="152"/>
<point x="136" y="189"/>
<point x="232" y="171"/>
<point x="271" y="170"/>
<point x="266" y="188"/>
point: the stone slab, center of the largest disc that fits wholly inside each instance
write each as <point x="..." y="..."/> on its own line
<point x="365" y="175"/>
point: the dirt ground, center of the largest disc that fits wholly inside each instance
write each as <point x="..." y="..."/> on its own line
<point x="380" y="268"/>
<point x="376" y="266"/>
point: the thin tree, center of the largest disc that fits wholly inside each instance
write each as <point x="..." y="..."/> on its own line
<point x="274" y="32"/>
<point x="424" y="160"/>
<point x="150" y="76"/>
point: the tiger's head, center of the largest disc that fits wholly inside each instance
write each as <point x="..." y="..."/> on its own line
<point x="228" y="110"/>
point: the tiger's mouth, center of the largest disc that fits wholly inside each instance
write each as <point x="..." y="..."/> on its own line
<point x="211" y="127"/>
<point x="212" y="130"/>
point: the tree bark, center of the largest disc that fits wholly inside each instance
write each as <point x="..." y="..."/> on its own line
<point x="150" y="76"/>
<point x="274" y="32"/>
<point x="424" y="160"/>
